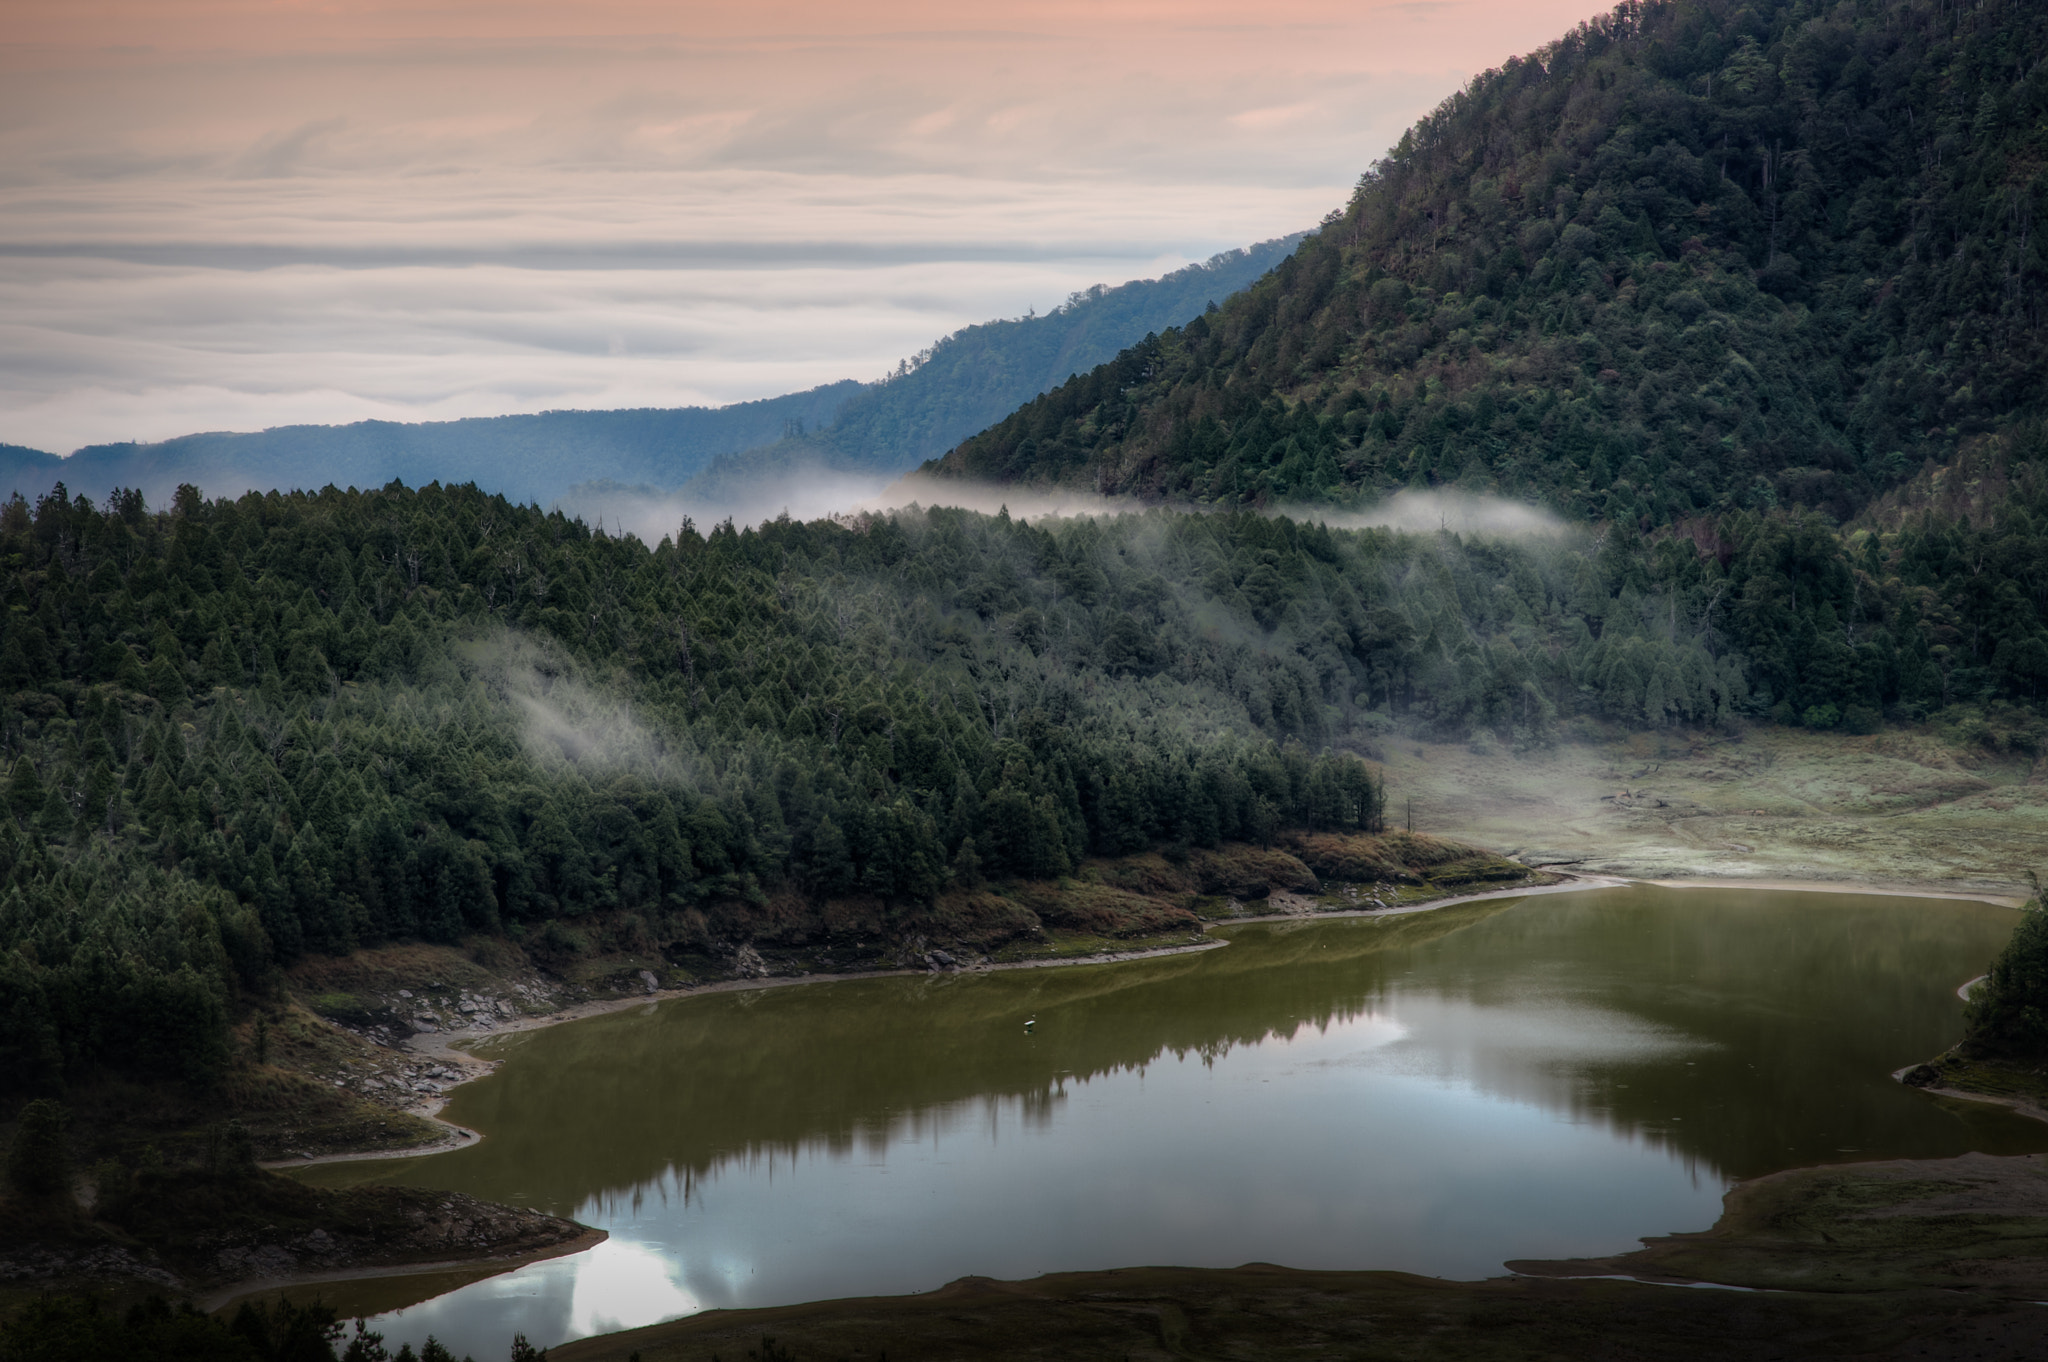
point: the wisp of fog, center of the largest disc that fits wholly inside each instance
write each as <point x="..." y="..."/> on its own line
<point x="815" y="493"/>
<point x="562" y="720"/>
<point x="1461" y="513"/>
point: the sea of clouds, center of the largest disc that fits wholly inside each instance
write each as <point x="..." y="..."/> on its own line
<point x="248" y="214"/>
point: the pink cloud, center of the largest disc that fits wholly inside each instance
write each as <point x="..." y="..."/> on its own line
<point x="322" y="200"/>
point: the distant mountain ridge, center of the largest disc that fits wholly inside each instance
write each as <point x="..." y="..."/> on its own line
<point x="958" y="386"/>
<point x="981" y="373"/>
<point x="1697" y="255"/>
<point x="521" y="457"/>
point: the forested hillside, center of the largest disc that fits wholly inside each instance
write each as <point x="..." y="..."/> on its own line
<point x="241" y="730"/>
<point x="246" y="729"/>
<point x="980" y="374"/>
<point x="1696" y="256"/>
<point x="1712" y="281"/>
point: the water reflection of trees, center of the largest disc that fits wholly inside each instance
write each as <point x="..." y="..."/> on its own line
<point x="1765" y="1031"/>
<point x="1765" y="1024"/>
<point x="609" y="1105"/>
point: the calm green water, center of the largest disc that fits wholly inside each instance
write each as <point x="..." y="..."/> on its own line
<point x="1551" y="1076"/>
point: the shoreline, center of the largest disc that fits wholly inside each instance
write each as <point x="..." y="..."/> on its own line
<point x="444" y="1046"/>
<point x="1900" y="891"/>
<point x="2019" y="1105"/>
<point x="452" y="1049"/>
<point x="225" y="1296"/>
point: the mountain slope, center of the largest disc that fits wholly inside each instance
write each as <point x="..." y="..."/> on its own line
<point x="1695" y="255"/>
<point x="981" y="373"/>
<point x="27" y="469"/>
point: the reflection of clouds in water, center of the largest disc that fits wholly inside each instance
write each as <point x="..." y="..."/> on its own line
<point x="985" y="1119"/>
<point x="1554" y="1055"/>
<point x="718" y="1281"/>
<point x="620" y="1284"/>
<point x="623" y="1285"/>
<point x="1028" y="1109"/>
<point x="1527" y="1052"/>
<point x="1453" y="1036"/>
<point x="1557" y="1084"/>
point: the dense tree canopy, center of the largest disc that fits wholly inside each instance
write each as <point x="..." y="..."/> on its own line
<point x="1698" y="255"/>
<point x="247" y="729"/>
<point x="241" y="730"/>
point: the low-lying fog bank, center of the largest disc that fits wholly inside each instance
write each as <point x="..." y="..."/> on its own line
<point x="815" y="493"/>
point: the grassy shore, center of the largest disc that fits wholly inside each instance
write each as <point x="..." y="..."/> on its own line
<point x="1907" y="808"/>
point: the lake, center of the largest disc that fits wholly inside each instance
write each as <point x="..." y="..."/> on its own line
<point x="1550" y="1076"/>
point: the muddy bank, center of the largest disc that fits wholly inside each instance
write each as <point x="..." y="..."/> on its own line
<point x="1978" y="1223"/>
<point x="228" y="1232"/>
<point x="457" y="1269"/>
<point x="447" y="1054"/>
<point x="1957" y="1077"/>
<point x="1258" y="1311"/>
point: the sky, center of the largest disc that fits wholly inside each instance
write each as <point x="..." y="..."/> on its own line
<point x="235" y="214"/>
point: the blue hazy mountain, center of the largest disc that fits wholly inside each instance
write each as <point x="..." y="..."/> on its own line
<point x="528" y="458"/>
<point x="31" y="470"/>
<point x="964" y="383"/>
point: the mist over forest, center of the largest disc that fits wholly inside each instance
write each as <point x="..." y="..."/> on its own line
<point x="1678" y="382"/>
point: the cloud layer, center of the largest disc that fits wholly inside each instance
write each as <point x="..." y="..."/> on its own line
<point x="252" y="213"/>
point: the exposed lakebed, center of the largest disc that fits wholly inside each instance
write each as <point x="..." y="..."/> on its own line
<point x="1531" y="1078"/>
